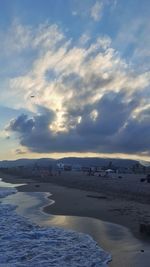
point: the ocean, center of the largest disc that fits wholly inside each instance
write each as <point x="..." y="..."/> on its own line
<point x="24" y="243"/>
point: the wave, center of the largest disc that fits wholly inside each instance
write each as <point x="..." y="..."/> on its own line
<point x="25" y="244"/>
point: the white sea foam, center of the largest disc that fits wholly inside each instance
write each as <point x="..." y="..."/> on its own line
<point x="4" y="192"/>
<point x="23" y="244"/>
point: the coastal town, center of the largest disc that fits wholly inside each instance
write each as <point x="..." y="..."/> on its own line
<point x="58" y="167"/>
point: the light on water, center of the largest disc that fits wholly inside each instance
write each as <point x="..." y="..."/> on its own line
<point x="114" y="238"/>
<point x="43" y="245"/>
<point x="29" y="204"/>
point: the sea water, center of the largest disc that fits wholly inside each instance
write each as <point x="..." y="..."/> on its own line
<point x="24" y="243"/>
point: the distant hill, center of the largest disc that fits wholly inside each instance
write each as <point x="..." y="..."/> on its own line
<point x="99" y="161"/>
<point x="69" y="160"/>
<point x="26" y="162"/>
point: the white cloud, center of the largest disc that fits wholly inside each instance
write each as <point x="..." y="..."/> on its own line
<point x="97" y="10"/>
<point x="84" y="38"/>
<point x="15" y="39"/>
<point x="133" y="40"/>
<point x="94" y="10"/>
<point x="74" y="13"/>
<point x="69" y="79"/>
<point x="21" y="37"/>
<point x="47" y="36"/>
<point x="4" y="135"/>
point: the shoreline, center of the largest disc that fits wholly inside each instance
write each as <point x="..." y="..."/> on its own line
<point x="132" y="248"/>
<point x="73" y="201"/>
<point x="43" y="246"/>
<point x="97" y="206"/>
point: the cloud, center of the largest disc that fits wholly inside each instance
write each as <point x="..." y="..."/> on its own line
<point x="108" y="121"/>
<point x="84" y="38"/>
<point x="19" y="37"/>
<point x="92" y="9"/>
<point x="134" y="138"/>
<point x="3" y="135"/>
<point x="74" y="13"/>
<point x="96" y="11"/>
<point x="113" y="129"/>
<point x="133" y="40"/>
<point x="87" y="98"/>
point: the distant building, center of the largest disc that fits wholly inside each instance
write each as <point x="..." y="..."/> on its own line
<point x="60" y="165"/>
<point x="64" y="167"/>
<point x="42" y="171"/>
<point x="109" y="171"/>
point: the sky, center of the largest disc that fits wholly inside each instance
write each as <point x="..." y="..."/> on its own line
<point x="74" y="78"/>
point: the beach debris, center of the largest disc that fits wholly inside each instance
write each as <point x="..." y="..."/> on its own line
<point x="143" y="180"/>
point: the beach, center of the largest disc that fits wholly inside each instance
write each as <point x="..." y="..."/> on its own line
<point x="121" y="201"/>
<point x="24" y="244"/>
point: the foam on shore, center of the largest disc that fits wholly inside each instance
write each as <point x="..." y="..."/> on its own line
<point x="25" y="244"/>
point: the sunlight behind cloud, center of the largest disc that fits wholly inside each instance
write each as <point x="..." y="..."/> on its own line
<point x="70" y="89"/>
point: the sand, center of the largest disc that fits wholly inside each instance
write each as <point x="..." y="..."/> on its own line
<point x="122" y="201"/>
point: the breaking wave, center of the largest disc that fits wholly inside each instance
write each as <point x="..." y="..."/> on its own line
<point x="23" y="243"/>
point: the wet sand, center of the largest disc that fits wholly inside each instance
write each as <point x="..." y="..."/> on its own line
<point x="104" y="205"/>
<point x="123" y="201"/>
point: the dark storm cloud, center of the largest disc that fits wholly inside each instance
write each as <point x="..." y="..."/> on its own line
<point x="22" y="124"/>
<point x="112" y="114"/>
<point x="114" y="129"/>
<point x="135" y="137"/>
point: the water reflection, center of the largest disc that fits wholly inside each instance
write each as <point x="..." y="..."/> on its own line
<point x="29" y="205"/>
<point x="99" y="230"/>
<point x="114" y="238"/>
